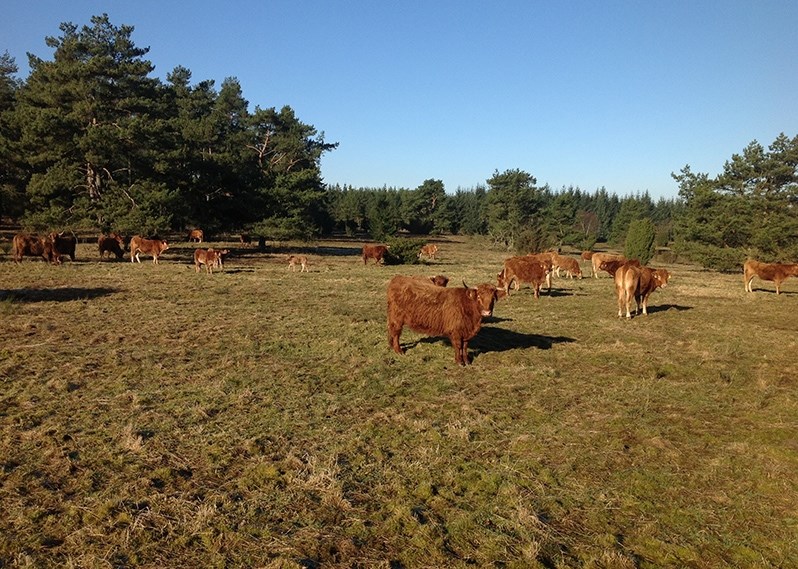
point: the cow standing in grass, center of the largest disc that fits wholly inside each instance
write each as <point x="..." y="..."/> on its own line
<point x="776" y="272"/>
<point x="438" y="311"/>
<point x="152" y="247"/>
<point x="531" y="269"/>
<point x="637" y="282"/>
<point x="376" y="252"/>
<point x="34" y="246"/>
<point x="64" y="244"/>
<point x="112" y="243"/>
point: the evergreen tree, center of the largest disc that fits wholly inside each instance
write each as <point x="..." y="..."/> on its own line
<point x="513" y="204"/>
<point x="639" y="243"/>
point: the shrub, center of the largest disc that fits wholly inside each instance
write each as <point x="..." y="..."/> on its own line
<point x="403" y="251"/>
<point x="640" y="240"/>
<point x="724" y="259"/>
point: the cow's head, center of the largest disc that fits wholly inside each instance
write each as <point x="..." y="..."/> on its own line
<point x="485" y="295"/>
<point x="661" y="277"/>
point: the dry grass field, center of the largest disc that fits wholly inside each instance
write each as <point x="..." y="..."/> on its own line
<point x="153" y="417"/>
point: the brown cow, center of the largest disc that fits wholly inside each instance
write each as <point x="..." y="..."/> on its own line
<point x="637" y="282"/>
<point x="547" y="258"/>
<point x="567" y="264"/>
<point x="587" y="255"/>
<point x="34" y="246"/>
<point x="152" y="247"/>
<point x="613" y="265"/>
<point x="196" y="235"/>
<point x="64" y="244"/>
<point x="295" y="260"/>
<point x="524" y="269"/>
<point x="376" y="252"/>
<point x="452" y="312"/>
<point x="112" y="243"/>
<point x="776" y="272"/>
<point x="599" y="258"/>
<point x="208" y="257"/>
<point x="221" y="255"/>
<point x="428" y="250"/>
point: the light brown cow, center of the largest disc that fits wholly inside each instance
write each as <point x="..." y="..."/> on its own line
<point x="547" y="258"/>
<point x="111" y="243"/>
<point x="301" y="260"/>
<point x="64" y="244"/>
<point x="152" y="247"/>
<point x="527" y="269"/>
<point x="599" y="258"/>
<point x="637" y="282"/>
<point x="776" y="272"/>
<point x="207" y="257"/>
<point x="452" y="312"/>
<point x="428" y="250"/>
<point x="196" y="235"/>
<point x="34" y="246"/>
<point x="376" y="252"/>
<point x="567" y="264"/>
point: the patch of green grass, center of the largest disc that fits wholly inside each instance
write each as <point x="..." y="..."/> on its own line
<point x="153" y="416"/>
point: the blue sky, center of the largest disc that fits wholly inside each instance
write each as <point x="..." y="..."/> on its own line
<point x="615" y="94"/>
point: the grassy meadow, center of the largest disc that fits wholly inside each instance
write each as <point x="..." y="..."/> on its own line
<point x="153" y="417"/>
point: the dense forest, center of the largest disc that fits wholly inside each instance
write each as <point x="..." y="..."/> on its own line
<point x="89" y="141"/>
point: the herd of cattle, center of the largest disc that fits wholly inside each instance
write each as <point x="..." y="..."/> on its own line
<point x="424" y="304"/>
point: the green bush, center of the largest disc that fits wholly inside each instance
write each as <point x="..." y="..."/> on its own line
<point x="640" y="240"/>
<point x="403" y="251"/>
<point x="724" y="259"/>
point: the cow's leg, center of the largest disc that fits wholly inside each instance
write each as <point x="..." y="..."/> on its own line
<point x="778" y="285"/>
<point x="628" y="296"/>
<point x="457" y="344"/>
<point x="548" y="280"/>
<point x="620" y="293"/>
<point x="394" y="331"/>
<point x="464" y="353"/>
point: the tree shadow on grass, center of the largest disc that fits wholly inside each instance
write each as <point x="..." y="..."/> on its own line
<point x="54" y="294"/>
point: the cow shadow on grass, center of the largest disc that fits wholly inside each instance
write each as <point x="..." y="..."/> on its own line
<point x="665" y="307"/>
<point x="54" y="294"/>
<point x="492" y="339"/>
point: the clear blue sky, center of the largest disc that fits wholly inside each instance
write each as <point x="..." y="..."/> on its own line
<point x="618" y="94"/>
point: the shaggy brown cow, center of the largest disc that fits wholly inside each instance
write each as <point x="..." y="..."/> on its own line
<point x="64" y="244"/>
<point x="376" y="252"/>
<point x="34" y="246"/>
<point x="613" y="265"/>
<point x="428" y="250"/>
<point x="152" y="247"/>
<point x="599" y="258"/>
<point x="528" y="269"/>
<point x="112" y="243"/>
<point x="637" y="282"/>
<point x="205" y="257"/>
<point x="452" y="312"/>
<point x="776" y="272"/>
<point x="196" y="235"/>
<point x="295" y="260"/>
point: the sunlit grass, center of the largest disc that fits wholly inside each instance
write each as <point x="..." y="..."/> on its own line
<point x="152" y="417"/>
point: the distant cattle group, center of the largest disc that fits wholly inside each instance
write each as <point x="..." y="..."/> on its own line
<point x="425" y="304"/>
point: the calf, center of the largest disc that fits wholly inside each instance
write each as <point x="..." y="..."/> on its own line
<point x="221" y="256"/>
<point x="196" y="235"/>
<point x="64" y="244"/>
<point x="776" y="272"/>
<point x="428" y="250"/>
<point x="152" y="247"/>
<point x="376" y="252"/>
<point x="599" y="258"/>
<point x="205" y="257"/>
<point x="112" y="243"/>
<point x="34" y="246"/>
<point x="524" y="269"/>
<point x="637" y="282"/>
<point x="295" y="260"/>
<point x="452" y="312"/>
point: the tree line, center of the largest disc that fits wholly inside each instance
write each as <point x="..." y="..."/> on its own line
<point x="89" y="141"/>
